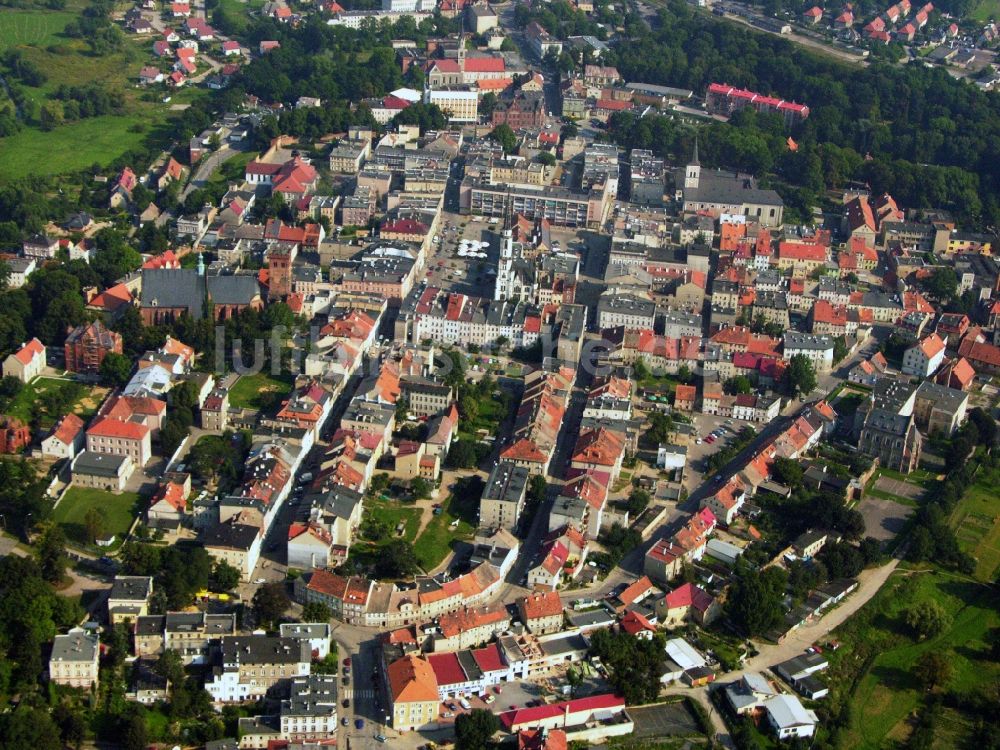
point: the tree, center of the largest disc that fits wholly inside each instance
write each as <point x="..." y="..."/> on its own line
<point x="927" y="619"/>
<point x="29" y="727"/>
<point x="225" y="577"/>
<point x="51" y="551"/>
<point x="574" y="679"/>
<point x="475" y="730"/>
<point x="755" y="597"/>
<point x="738" y="384"/>
<point x="270" y="602"/>
<point x="134" y="735"/>
<point x="315" y="612"/>
<point x="660" y="427"/>
<point x="634" y="665"/>
<point x="115" y="370"/>
<point x="546" y="158"/>
<point x="800" y="376"/>
<point x="933" y="669"/>
<point x="842" y="560"/>
<point x="788" y="472"/>
<point x="537" y="488"/>
<point x="839" y="349"/>
<point x="95" y="522"/>
<point x="420" y="488"/>
<point x="71" y="723"/>
<point x="942" y="283"/>
<point x="397" y="560"/>
<point x="462" y="454"/>
<point x="638" y="501"/>
<point x="171" y="666"/>
<point x="505" y="136"/>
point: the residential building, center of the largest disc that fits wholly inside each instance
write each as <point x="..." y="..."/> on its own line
<point x="725" y="100"/>
<point x="88" y="344"/>
<point x="129" y="598"/>
<point x="26" y="363"/>
<point x="503" y="499"/>
<point x="541" y="613"/>
<point x="248" y="666"/>
<point x="74" y="659"/>
<point x="102" y="470"/>
<point x="924" y="358"/>
<point x="818" y="349"/>
<point x="115" y="436"/>
<point x="786" y="715"/>
<point x="66" y="439"/>
<point x="413" y="691"/>
<point x="939" y="408"/>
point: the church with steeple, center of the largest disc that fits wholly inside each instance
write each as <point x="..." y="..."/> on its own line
<point x="718" y="192"/>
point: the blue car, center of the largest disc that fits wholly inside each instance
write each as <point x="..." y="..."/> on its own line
<point x="359" y="723"/>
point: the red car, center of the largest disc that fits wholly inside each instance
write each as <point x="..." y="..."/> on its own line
<point x="347" y="661"/>
<point x="710" y="440"/>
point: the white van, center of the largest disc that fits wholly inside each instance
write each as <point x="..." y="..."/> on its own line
<point x="465" y="704"/>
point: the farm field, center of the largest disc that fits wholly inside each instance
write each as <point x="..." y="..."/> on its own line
<point x="77" y="145"/>
<point x="873" y="671"/>
<point x="976" y="520"/>
<point x="38" y="28"/>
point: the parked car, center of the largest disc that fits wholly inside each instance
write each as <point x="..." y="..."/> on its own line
<point x="345" y="721"/>
<point x="380" y="738"/>
<point x="359" y="723"/>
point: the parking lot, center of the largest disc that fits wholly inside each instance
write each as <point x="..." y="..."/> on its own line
<point x="664" y="720"/>
<point x="511" y="695"/>
<point x="883" y="518"/>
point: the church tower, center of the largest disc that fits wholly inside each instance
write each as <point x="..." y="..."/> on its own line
<point x="693" y="174"/>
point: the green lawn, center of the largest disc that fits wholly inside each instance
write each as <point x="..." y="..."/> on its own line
<point x="119" y="510"/>
<point x="394" y="513"/>
<point x="439" y="537"/>
<point x="47" y="393"/>
<point x="976" y="520"/>
<point x="32" y="27"/>
<point x="245" y="393"/>
<point x="873" y="671"/>
<point x="491" y="414"/>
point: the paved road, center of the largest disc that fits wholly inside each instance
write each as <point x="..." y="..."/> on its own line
<point x="208" y="165"/>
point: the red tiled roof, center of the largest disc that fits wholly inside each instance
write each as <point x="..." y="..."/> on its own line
<point x="117" y="428"/>
<point x="488" y="659"/>
<point x="484" y="65"/>
<point x="688" y="595"/>
<point x="29" y="351"/>
<point x="527" y="716"/>
<point x="172" y="493"/>
<point x="67" y="428"/>
<point x="633" y="623"/>
<point x="547" y="604"/>
<point x="447" y="669"/>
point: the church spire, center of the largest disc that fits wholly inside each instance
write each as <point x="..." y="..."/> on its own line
<point x="694" y="157"/>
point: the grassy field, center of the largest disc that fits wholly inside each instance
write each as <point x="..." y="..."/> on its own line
<point x="984" y="10"/>
<point x="84" y="404"/>
<point x="77" y="145"/>
<point x="119" y="512"/>
<point x="976" y="520"/>
<point x="440" y="536"/>
<point x="245" y="393"/>
<point x="38" y="28"/>
<point x="873" y="671"/>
